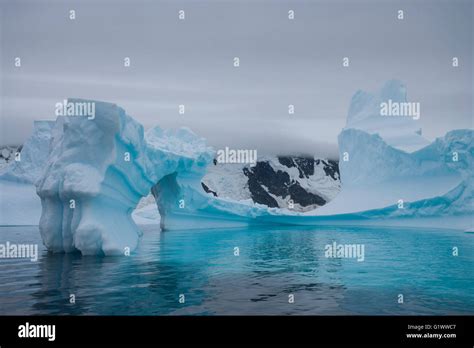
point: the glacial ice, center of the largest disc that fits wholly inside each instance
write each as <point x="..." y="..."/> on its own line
<point x="372" y="160"/>
<point x="403" y="133"/>
<point x="98" y="171"/>
<point x="19" y="203"/>
<point x="429" y="182"/>
<point x="388" y="160"/>
<point x="33" y="155"/>
<point x="379" y="171"/>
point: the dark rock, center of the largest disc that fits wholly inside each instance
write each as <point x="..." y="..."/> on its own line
<point x="279" y="184"/>
<point x="302" y="197"/>
<point x="208" y="190"/>
<point x="332" y="168"/>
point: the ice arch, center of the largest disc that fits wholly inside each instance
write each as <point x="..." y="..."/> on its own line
<point x="99" y="168"/>
<point x="97" y="171"/>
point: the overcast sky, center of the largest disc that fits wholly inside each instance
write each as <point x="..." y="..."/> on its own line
<point x="282" y="62"/>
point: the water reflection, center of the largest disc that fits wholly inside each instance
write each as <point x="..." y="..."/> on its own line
<point x="272" y="264"/>
<point x="113" y="285"/>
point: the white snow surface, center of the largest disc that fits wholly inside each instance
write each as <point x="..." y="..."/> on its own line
<point x="230" y="182"/>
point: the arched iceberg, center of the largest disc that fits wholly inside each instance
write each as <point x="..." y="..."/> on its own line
<point x="97" y="171"/>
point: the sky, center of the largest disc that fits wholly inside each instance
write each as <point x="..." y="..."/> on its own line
<point x="282" y="62"/>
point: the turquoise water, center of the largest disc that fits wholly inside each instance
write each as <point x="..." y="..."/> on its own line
<point x="273" y="263"/>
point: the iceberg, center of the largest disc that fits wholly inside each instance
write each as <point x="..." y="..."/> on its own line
<point x="19" y="203"/>
<point x="403" y="133"/>
<point x="33" y="155"/>
<point x="458" y="201"/>
<point x="96" y="173"/>
<point x="88" y="187"/>
<point x="99" y="171"/>
<point x="371" y="160"/>
<point x="378" y="171"/>
<point x="453" y="210"/>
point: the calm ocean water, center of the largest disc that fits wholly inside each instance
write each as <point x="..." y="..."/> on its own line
<point x="273" y="263"/>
